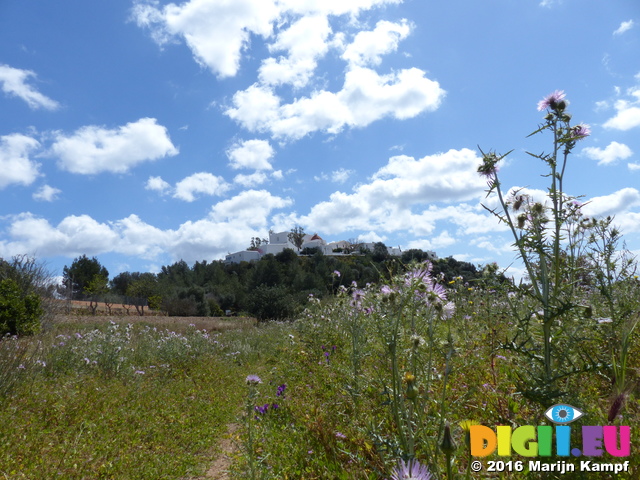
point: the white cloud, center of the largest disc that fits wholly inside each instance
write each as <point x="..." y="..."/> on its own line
<point x="633" y="166"/>
<point x="612" y="204"/>
<point x="250" y="207"/>
<point x="231" y="223"/>
<point x="628" y="112"/>
<point x="157" y="184"/>
<point x="367" y="47"/>
<point x="254" y="154"/>
<point x="365" y="97"/>
<point x="15" y="165"/>
<point x="46" y="193"/>
<point x="200" y="183"/>
<point x="73" y="236"/>
<point x="305" y="41"/>
<point x="624" y="27"/>
<point x="215" y="31"/>
<point x="610" y="154"/>
<point x="14" y="83"/>
<point x="386" y="203"/>
<point x="341" y="175"/>
<point x="441" y="241"/>
<point x="93" y="149"/>
<point x="251" y="180"/>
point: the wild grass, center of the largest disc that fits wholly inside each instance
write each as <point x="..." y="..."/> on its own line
<point x="124" y="401"/>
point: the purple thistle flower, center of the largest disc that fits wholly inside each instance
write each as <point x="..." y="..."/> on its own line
<point x="386" y="290"/>
<point x="552" y="100"/>
<point x="411" y="470"/>
<point x="580" y="131"/>
<point x="253" y="380"/>
<point x="356" y="298"/>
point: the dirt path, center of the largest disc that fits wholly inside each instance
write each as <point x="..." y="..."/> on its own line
<point x="228" y="448"/>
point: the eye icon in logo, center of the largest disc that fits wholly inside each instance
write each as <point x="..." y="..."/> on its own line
<point x="562" y="413"/>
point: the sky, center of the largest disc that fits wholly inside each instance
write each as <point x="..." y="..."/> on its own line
<point x="146" y="132"/>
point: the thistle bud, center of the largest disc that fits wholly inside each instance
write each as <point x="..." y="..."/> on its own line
<point x="522" y="218"/>
<point x="448" y="446"/>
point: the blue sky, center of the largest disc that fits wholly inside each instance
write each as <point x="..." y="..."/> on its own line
<point x="144" y="132"/>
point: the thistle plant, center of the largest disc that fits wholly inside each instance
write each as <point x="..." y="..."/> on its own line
<point x="411" y="323"/>
<point x="252" y="383"/>
<point x="552" y="238"/>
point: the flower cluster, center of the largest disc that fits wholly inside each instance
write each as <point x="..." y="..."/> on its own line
<point x="411" y="470"/>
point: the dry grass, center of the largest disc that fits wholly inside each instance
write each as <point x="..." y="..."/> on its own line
<point x="177" y="324"/>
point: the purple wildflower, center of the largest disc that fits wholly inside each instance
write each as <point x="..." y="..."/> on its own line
<point x="386" y="290"/>
<point x="253" y="380"/>
<point x="580" y="131"/>
<point x="356" y="298"/>
<point x="411" y="470"/>
<point x="262" y="409"/>
<point x="341" y="435"/>
<point x="552" y="100"/>
<point x="336" y="273"/>
<point x="281" y="389"/>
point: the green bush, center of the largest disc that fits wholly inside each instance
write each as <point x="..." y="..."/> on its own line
<point x="20" y="312"/>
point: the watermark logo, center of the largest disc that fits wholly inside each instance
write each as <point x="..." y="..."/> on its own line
<point x="562" y="413"/>
<point x="551" y="440"/>
<point x="532" y="441"/>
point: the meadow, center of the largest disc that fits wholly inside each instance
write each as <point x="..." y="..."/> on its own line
<point x="357" y="383"/>
<point x="400" y="379"/>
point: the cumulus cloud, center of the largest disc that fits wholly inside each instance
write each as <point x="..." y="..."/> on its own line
<point x="15" y="164"/>
<point x="230" y="223"/>
<point x="388" y="201"/>
<point x="200" y="183"/>
<point x="367" y="47"/>
<point x="628" y="112"/>
<point x="251" y="180"/>
<point x="341" y="175"/>
<point x="157" y="184"/>
<point x="624" y="27"/>
<point x="250" y="207"/>
<point x="305" y="41"/>
<point x="14" y="83"/>
<point x="216" y="32"/>
<point x="73" y="236"/>
<point x="366" y="96"/>
<point x="46" y="193"/>
<point x="255" y="154"/>
<point x="92" y="149"/>
<point x="610" y="154"/>
<point x="612" y="204"/>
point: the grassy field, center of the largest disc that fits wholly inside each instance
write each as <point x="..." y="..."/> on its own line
<point x="345" y="392"/>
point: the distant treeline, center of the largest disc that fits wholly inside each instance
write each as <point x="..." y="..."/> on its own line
<point x="275" y="287"/>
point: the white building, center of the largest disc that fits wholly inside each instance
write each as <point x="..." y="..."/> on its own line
<point x="278" y="242"/>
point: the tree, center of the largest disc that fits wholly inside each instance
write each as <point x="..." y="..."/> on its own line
<point x="296" y="236"/>
<point x="81" y="272"/>
<point x="380" y="252"/>
<point x="95" y="290"/>
<point x="142" y="290"/>
<point x="256" y="242"/>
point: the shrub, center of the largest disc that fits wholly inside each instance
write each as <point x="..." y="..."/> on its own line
<point x="20" y="311"/>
